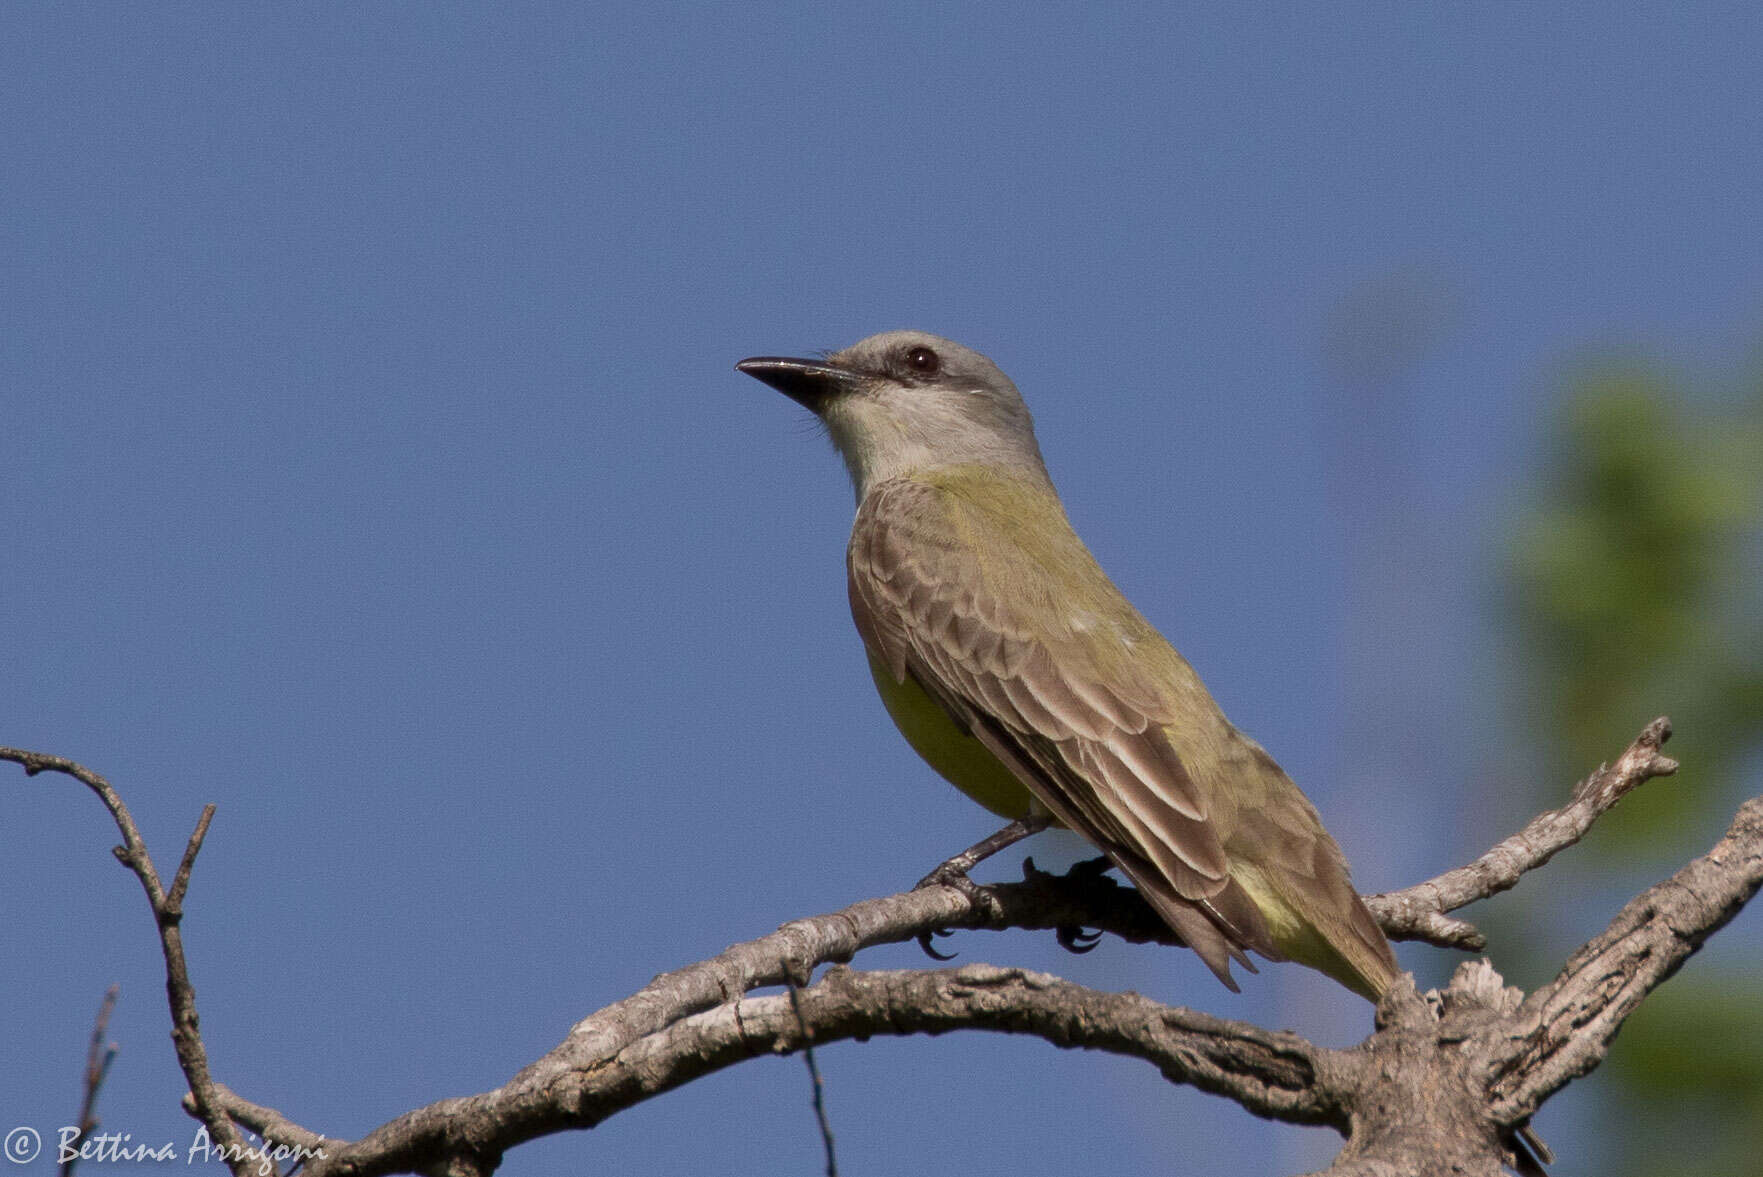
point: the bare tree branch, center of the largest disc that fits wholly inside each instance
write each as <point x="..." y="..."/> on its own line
<point x="1417" y="912"/>
<point x="1274" y="1074"/>
<point x="167" y="913"/>
<point x="1565" y="1028"/>
<point x="1446" y="1083"/>
<point x="270" y="1124"/>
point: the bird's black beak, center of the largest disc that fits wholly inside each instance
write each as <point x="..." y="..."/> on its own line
<point x="810" y="383"/>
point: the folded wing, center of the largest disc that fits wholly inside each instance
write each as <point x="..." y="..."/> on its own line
<point x="1022" y="639"/>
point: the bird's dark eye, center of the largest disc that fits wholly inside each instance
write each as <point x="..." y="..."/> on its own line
<point x="924" y="361"/>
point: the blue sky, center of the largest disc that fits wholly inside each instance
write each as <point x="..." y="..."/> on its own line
<point x="376" y="469"/>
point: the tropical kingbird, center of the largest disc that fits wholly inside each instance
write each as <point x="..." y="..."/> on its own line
<point x="1012" y="664"/>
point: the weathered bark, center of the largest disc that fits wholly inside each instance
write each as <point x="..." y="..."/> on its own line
<point x="1447" y="1082"/>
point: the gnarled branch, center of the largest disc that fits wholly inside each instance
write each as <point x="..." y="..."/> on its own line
<point x="1417" y="912"/>
<point x="1447" y="1081"/>
<point x="1565" y="1028"/>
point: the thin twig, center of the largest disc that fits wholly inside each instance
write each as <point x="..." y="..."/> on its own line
<point x="99" y="1056"/>
<point x="270" y="1124"/>
<point x="180" y="883"/>
<point x="242" y="1158"/>
<point x="816" y="1085"/>
<point x="1416" y="913"/>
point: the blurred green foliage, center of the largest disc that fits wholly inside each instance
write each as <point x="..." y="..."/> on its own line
<point x="1634" y="579"/>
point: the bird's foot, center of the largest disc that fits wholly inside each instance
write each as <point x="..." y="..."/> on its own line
<point x="1072" y="938"/>
<point x="1085" y="873"/>
<point x="953" y="873"/>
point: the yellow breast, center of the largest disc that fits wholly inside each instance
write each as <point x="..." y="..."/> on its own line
<point x="962" y="760"/>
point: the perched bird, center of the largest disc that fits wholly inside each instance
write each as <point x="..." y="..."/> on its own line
<point x="1017" y="669"/>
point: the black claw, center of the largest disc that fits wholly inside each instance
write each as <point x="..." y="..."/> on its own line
<point x="1078" y="941"/>
<point x="924" y="943"/>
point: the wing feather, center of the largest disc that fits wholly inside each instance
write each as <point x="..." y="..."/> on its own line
<point x="939" y="596"/>
<point x="1199" y="925"/>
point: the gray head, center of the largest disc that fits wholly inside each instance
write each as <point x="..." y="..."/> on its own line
<point x="906" y="401"/>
